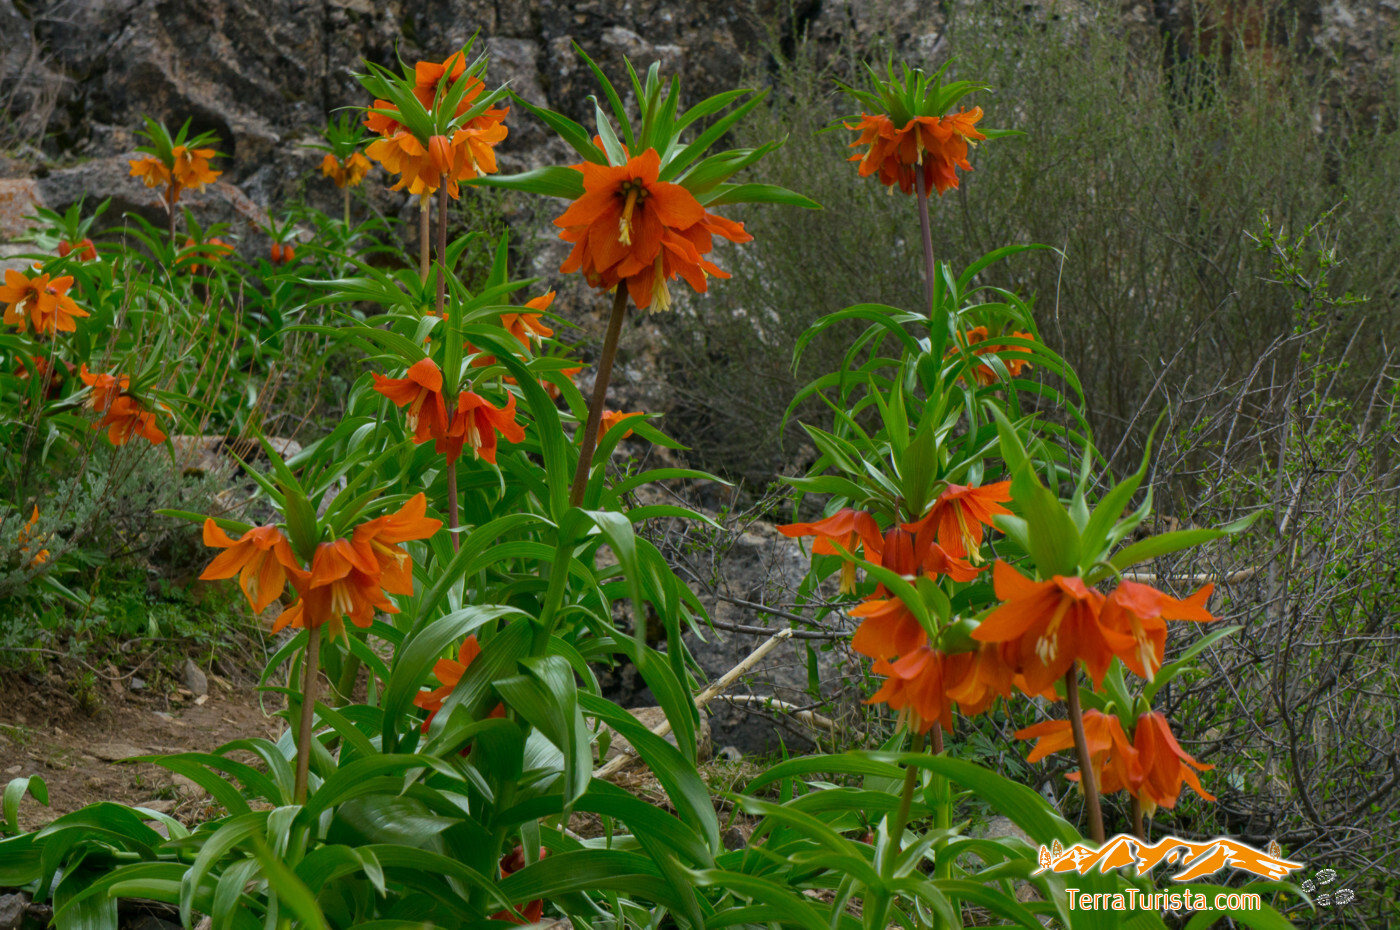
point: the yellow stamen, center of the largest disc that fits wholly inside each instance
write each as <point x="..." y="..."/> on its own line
<point x="342" y="601"/>
<point x="392" y="552"/>
<point x="1145" y="652"/>
<point x="660" y="292"/>
<point x="974" y="550"/>
<point x="624" y="225"/>
<point x="1047" y="647"/>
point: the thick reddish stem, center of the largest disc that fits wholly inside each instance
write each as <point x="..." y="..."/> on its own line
<point x="600" y="394"/>
<point x="1081" y="750"/>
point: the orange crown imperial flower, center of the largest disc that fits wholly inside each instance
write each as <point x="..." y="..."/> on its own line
<point x="39" y="302"/>
<point x="127" y="418"/>
<point x="1045" y="627"/>
<point x="183" y="169"/>
<point x="976" y="679"/>
<point x="986" y="376"/>
<point x="477" y="423"/>
<point x="420" y="390"/>
<point x="958" y="515"/>
<point x="347" y="172"/>
<point x="935" y="145"/>
<point x="450" y="672"/>
<point x="1164" y="765"/>
<point x="260" y="558"/>
<point x="214" y="249"/>
<point x="611" y="418"/>
<point x="378" y="541"/>
<point x="916" y="687"/>
<point x="1114" y="760"/>
<point x="451" y="151"/>
<point x="629" y="226"/>
<point x="1140" y="611"/>
<point x="25" y="542"/>
<point x="105" y="388"/>
<point x="511" y="863"/>
<point x="342" y="582"/>
<point x="84" y="250"/>
<point x="845" y="528"/>
<point x="526" y="327"/>
<point x="890" y="628"/>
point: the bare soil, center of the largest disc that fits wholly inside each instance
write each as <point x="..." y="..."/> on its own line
<point x="76" y="743"/>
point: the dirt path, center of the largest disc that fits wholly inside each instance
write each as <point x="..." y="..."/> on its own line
<point x="75" y="746"/>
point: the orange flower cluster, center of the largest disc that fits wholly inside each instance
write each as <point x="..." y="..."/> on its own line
<point x="630" y="227"/>
<point x="450" y="672"/>
<point x="83" y="248"/>
<point x="126" y="416"/>
<point x="214" y="249"/>
<point x="475" y="422"/>
<point x="467" y="153"/>
<point x="530" y="331"/>
<point x="511" y="863"/>
<point x="39" y="302"/>
<point x="526" y="327"/>
<point x="613" y="417"/>
<point x="921" y="682"/>
<point x="1045" y="627"/>
<point x="282" y="254"/>
<point x="25" y="541"/>
<point x="53" y="376"/>
<point x="349" y="172"/>
<point x="188" y="170"/>
<point x="1151" y="767"/>
<point x="977" y="336"/>
<point x="937" y="145"/>
<point x="348" y="577"/>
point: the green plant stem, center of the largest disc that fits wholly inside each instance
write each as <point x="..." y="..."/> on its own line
<point x="442" y="245"/>
<point x="600" y="394"/>
<point x="424" y="238"/>
<point x="942" y="820"/>
<point x="346" y="682"/>
<point x="452" y="505"/>
<point x="311" y="673"/>
<point x="906" y="801"/>
<point x="346" y="192"/>
<point x="926" y="229"/>
<point x="554" y="595"/>
<point x="1081" y="750"/>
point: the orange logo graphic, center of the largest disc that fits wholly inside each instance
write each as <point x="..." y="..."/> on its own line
<point x="1195" y="859"/>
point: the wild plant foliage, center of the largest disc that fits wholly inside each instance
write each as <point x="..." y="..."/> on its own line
<point x="460" y="516"/>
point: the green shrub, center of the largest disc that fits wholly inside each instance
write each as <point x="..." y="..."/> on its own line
<point x="1145" y="178"/>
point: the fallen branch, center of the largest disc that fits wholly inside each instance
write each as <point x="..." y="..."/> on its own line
<point x="704" y="697"/>
<point x="810" y="718"/>
<point x="1243" y="574"/>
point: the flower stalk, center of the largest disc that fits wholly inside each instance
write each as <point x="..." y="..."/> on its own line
<point x="311" y="672"/>
<point x="906" y="799"/>
<point x="1081" y="750"/>
<point x="926" y="229"/>
<point x="600" y="393"/>
<point x="452" y="505"/>
<point x="425" y="237"/>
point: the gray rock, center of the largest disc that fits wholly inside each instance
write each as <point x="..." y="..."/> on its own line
<point x="116" y="752"/>
<point x="651" y="718"/>
<point x="12" y="907"/>
<point x="195" y="679"/>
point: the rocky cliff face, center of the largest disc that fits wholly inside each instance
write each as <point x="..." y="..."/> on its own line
<point x="264" y="74"/>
